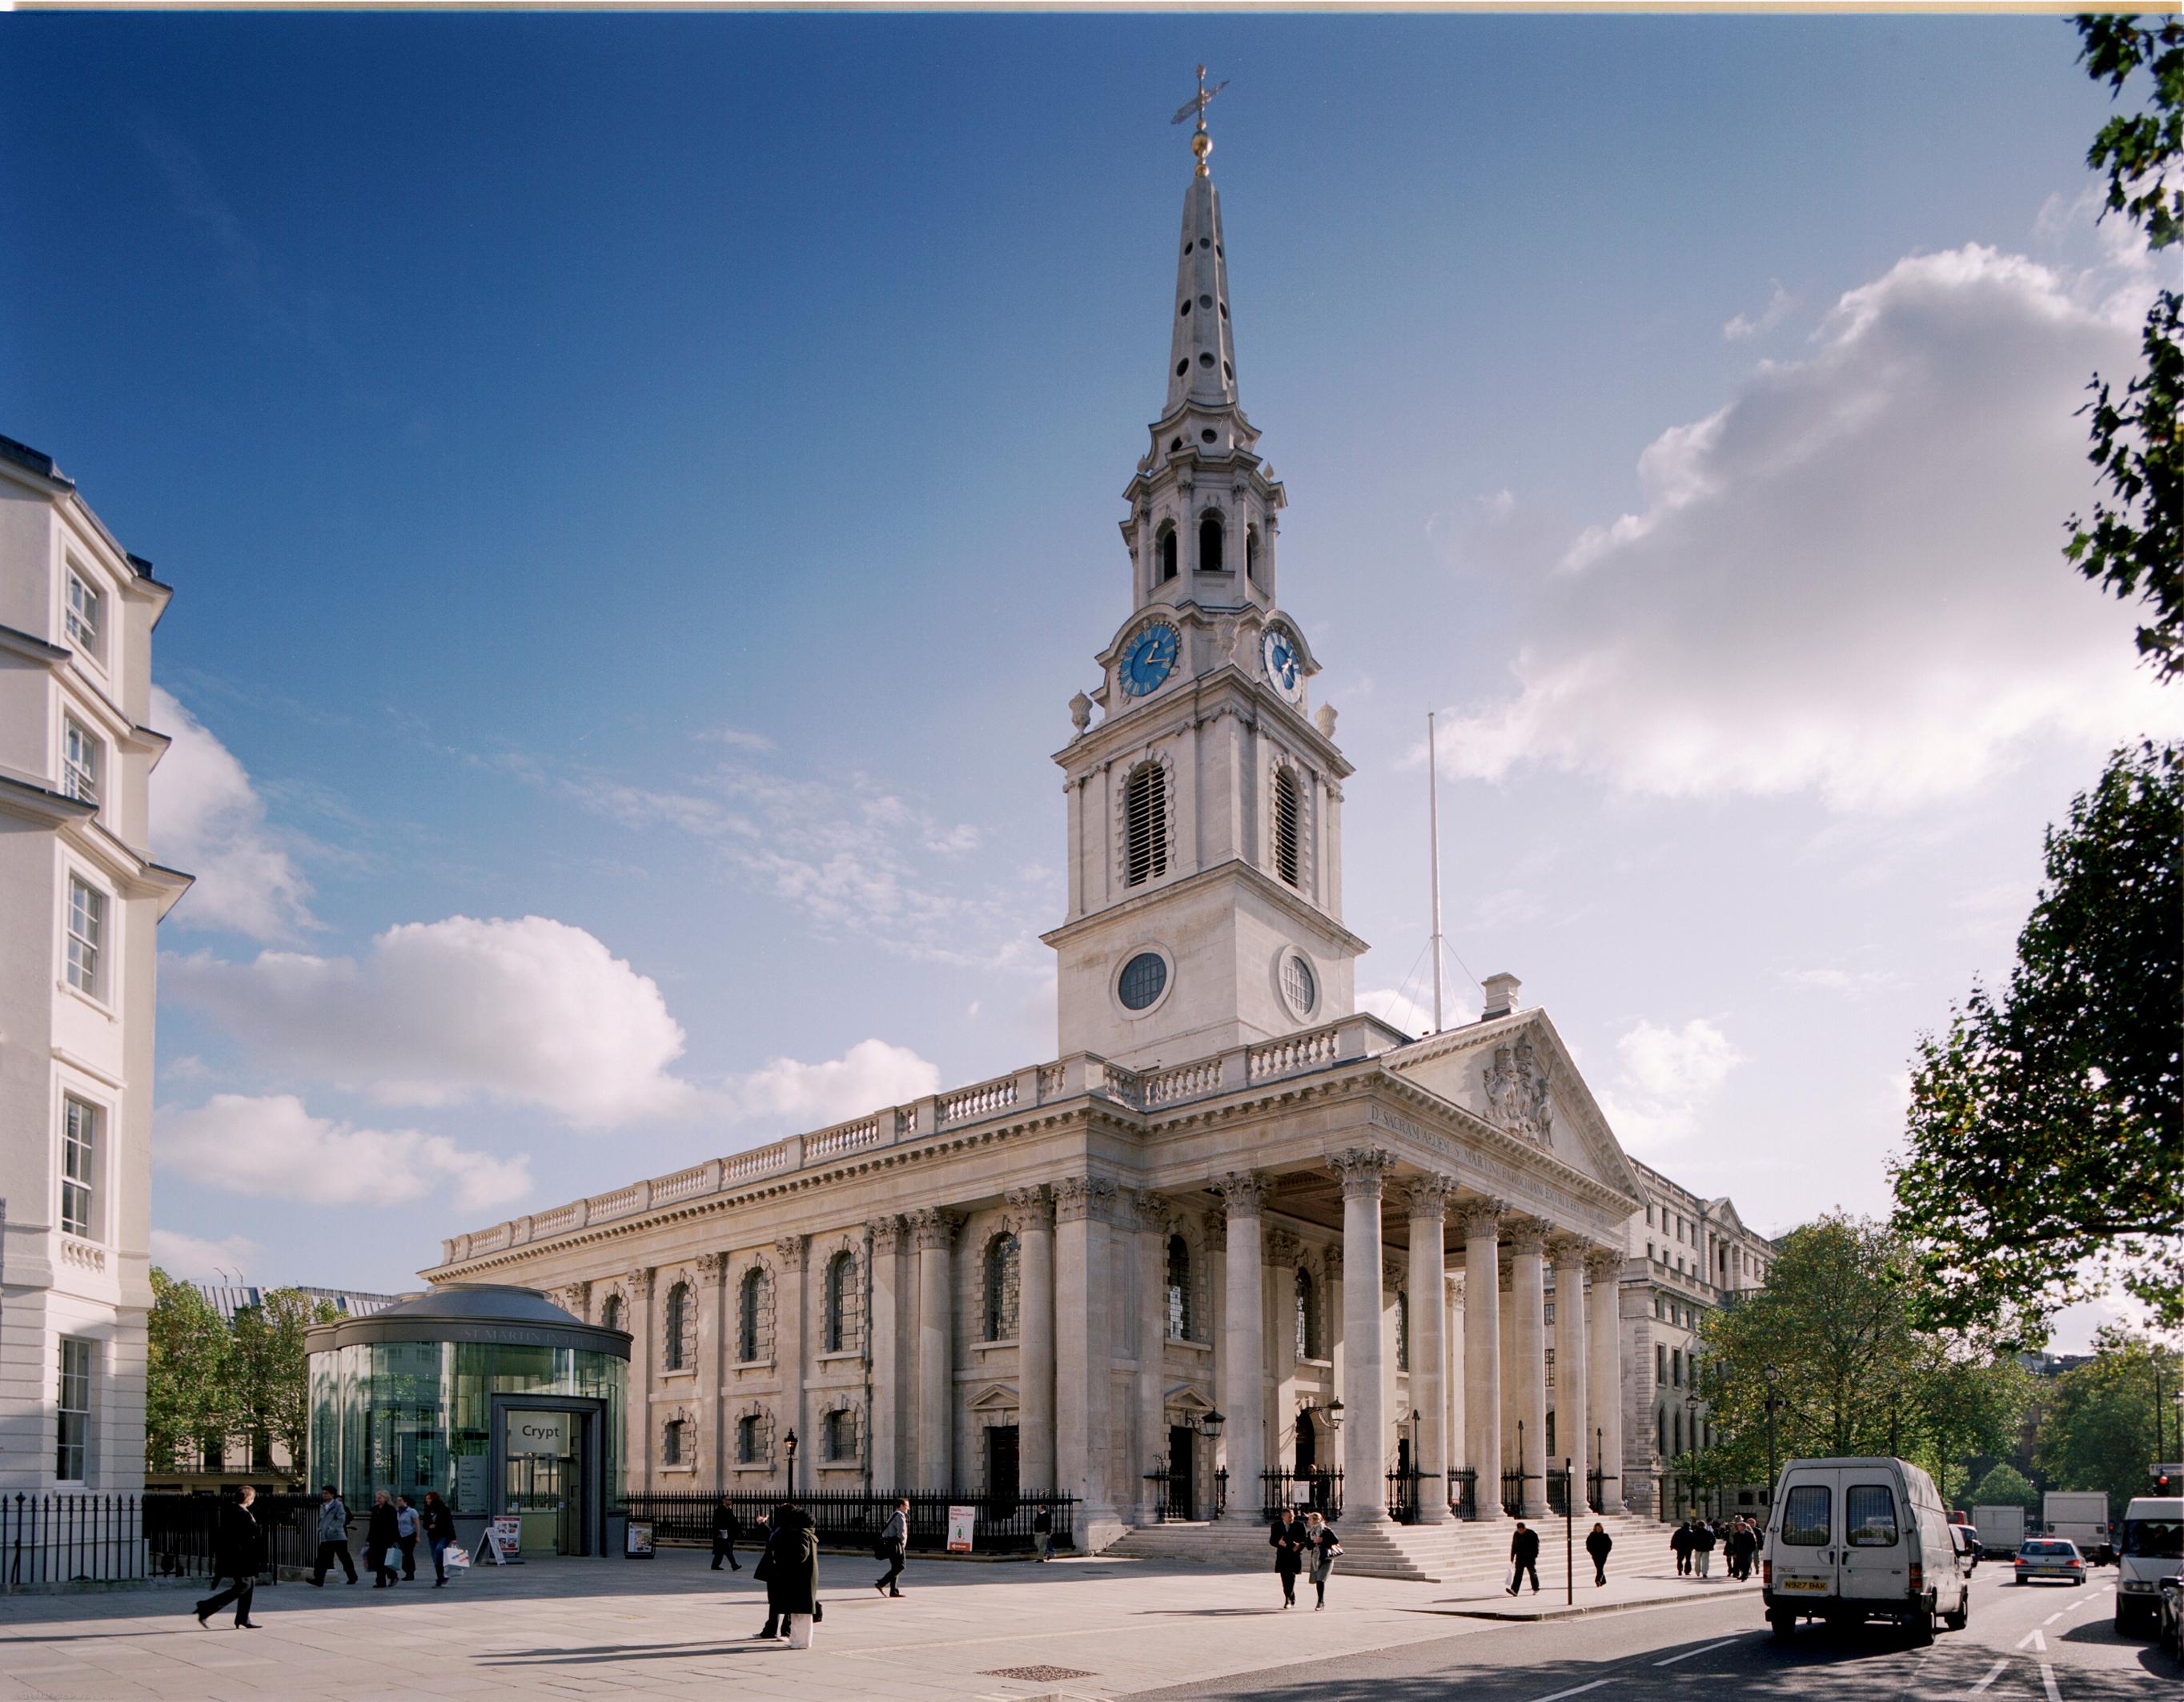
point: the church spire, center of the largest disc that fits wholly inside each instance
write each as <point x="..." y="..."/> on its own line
<point x="1202" y="358"/>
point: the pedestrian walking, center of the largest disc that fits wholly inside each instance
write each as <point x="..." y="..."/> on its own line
<point x="238" y="1553"/>
<point x="333" y="1536"/>
<point x="406" y="1526"/>
<point x="380" y="1538"/>
<point x="1701" y="1547"/>
<point x="1324" y="1549"/>
<point x="1679" y="1539"/>
<point x="892" y="1546"/>
<point x="1524" y="1558"/>
<point x="1288" y="1542"/>
<point x="789" y="1568"/>
<point x="1597" y="1545"/>
<point x="1042" y="1534"/>
<point x="726" y="1530"/>
<point x="439" y="1535"/>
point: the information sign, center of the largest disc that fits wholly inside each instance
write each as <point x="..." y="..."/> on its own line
<point x="504" y="1540"/>
<point x="638" y="1546"/>
<point x="960" y="1519"/>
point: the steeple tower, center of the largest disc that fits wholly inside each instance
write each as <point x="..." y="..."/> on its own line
<point x="1205" y="805"/>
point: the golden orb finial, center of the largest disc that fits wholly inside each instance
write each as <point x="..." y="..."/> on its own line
<point x="1201" y="144"/>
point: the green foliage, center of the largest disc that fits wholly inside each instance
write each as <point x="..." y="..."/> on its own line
<point x="2046" y="1152"/>
<point x="2097" y="1424"/>
<point x="2134" y="543"/>
<point x="271" y="1396"/>
<point x="1857" y="1370"/>
<point x="187" y="1372"/>
<point x="2005" y="1486"/>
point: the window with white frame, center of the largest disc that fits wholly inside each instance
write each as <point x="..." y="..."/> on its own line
<point x="85" y="608"/>
<point x="78" y="1167"/>
<point x="81" y="762"/>
<point x="72" y="1433"/>
<point x="86" y="937"/>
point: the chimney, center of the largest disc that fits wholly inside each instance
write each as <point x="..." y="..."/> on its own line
<point x="1501" y="996"/>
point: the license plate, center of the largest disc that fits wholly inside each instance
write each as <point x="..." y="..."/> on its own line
<point x="1819" y="1584"/>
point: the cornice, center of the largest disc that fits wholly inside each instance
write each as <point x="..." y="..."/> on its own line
<point x="1231" y="868"/>
<point x="1119" y="731"/>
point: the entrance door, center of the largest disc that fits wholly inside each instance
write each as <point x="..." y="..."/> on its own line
<point x="1001" y="1485"/>
<point x="1181" y="1472"/>
<point x="544" y="1479"/>
<point x="1307" y="1444"/>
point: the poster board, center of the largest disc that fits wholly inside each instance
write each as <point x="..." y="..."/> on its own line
<point x="502" y="1541"/>
<point x="960" y="1519"/>
<point x="637" y="1542"/>
<point x="470" y="1482"/>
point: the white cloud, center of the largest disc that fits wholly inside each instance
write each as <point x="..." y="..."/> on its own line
<point x="531" y="1011"/>
<point x="194" y="1260"/>
<point x="1848" y="580"/>
<point x="208" y="821"/>
<point x="1779" y="304"/>
<point x="808" y="1096"/>
<point x="271" y="1147"/>
<point x="1668" y="1078"/>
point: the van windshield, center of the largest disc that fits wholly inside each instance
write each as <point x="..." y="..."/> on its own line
<point x="2158" y="1539"/>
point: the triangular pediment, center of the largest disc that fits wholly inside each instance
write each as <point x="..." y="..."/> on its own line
<point x="994" y="1397"/>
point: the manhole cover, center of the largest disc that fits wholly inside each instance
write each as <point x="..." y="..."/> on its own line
<point x="1039" y="1674"/>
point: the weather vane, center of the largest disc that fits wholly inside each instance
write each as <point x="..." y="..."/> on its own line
<point x="1201" y="144"/>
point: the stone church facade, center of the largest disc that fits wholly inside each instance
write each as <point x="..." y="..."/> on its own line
<point x="1229" y="1192"/>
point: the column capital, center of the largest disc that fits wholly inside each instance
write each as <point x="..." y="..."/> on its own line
<point x="1603" y="1264"/>
<point x="1364" y="1169"/>
<point x="1568" y="1251"/>
<point x="934" y="1228"/>
<point x="1426" y="1198"/>
<point x="639" y="1283"/>
<point x="1332" y="1252"/>
<point x="1150" y="1209"/>
<point x="1029" y="1208"/>
<point x="887" y="1231"/>
<point x="1391" y="1274"/>
<point x="1528" y="1236"/>
<point x="790" y="1249"/>
<point x="1282" y="1247"/>
<point x="1078" y="1197"/>
<point x="1480" y="1215"/>
<point x="1244" y="1192"/>
<point x="1454" y="1283"/>
<point x="712" y="1265"/>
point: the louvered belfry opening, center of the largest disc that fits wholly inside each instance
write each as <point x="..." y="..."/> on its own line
<point x="1289" y="829"/>
<point x="1145" y="823"/>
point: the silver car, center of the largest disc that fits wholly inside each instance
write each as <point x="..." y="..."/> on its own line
<point x="2050" y="1557"/>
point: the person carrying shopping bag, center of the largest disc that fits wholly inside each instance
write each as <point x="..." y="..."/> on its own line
<point x="1322" y="1544"/>
<point x="439" y="1524"/>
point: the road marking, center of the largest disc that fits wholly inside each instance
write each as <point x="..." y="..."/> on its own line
<point x="2055" y="1616"/>
<point x="1580" y="1690"/>
<point x="1993" y="1673"/>
<point x="2034" y="1640"/>
<point x="2047" y="1680"/>
<point x="1689" y="1653"/>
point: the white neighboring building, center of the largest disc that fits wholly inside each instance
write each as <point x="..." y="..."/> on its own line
<point x="80" y="900"/>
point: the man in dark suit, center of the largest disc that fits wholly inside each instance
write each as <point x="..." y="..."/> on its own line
<point x="238" y="1553"/>
<point x="727" y="1529"/>
<point x="1524" y="1558"/>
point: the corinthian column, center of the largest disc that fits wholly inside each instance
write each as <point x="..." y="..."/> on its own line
<point x="1604" y="1382"/>
<point x="1151" y="1211"/>
<point x="1573" y="1411"/>
<point x="1243" y="1344"/>
<point x="887" y="1354"/>
<point x="1032" y="1214"/>
<point x="1363" y="1170"/>
<point x="713" y="1358"/>
<point x="1084" y="1344"/>
<point x="637" y="1456"/>
<point x="1482" y="1351"/>
<point x="1428" y="1199"/>
<point x="790" y="1351"/>
<point x="936" y="1350"/>
<point x="1528" y="1282"/>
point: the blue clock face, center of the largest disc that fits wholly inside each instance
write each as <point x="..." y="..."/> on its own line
<point x="1284" y="667"/>
<point x="1146" y="663"/>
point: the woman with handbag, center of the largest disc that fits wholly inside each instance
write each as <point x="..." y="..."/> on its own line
<point x="439" y="1534"/>
<point x="1321" y="1544"/>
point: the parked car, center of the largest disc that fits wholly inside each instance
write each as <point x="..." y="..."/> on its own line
<point x="1968" y="1541"/>
<point x="2050" y="1558"/>
<point x="1859" y="1539"/>
<point x="2171" y="1629"/>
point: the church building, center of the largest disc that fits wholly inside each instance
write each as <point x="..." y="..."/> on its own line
<point x="1234" y="1224"/>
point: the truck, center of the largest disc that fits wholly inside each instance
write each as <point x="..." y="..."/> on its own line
<point x="2152" y="1550"/>
<point x="2082" y="1517"/>
<point x="2001" y="1529"/>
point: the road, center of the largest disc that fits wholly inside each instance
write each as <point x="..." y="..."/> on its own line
<point x="2030" y="1643"/>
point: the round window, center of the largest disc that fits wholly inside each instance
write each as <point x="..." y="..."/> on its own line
<point x="1298" y="985"/>
<point x="1145" y="976"/>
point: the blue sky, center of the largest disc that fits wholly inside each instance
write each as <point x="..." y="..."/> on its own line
<point x="656" y="476"/>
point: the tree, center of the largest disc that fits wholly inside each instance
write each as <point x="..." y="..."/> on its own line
<point x="2134" y="543"/>
<point x="186" y="1381"/>
<point x="2045" y="1154"/>
<point x="2005" y="1486"/>
<point x="1857" y="1370"/>
<point x="2097" y="1426"/>
<point x="271" y="1374"/>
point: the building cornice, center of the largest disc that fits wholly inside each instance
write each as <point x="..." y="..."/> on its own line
<point x="1230" y="869"/>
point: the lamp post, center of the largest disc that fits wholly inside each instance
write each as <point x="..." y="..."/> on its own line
<point x="1773" y="1377"/>
<point x="1691" y="1403"/>
<point x="789" y="1442"/>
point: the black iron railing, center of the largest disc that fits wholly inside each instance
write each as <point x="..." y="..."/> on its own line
<point x="1320" y="1490"/>
<point x="1174" y="1498"/>
<point x="1220" y="1494"/>
<point x="1003" y="1525"/>
<point x="1463" y="1494"/>
<point x="61" y="1539"/>
<point x="1404" y="1489"/>
<point x="1513" y="1493"/>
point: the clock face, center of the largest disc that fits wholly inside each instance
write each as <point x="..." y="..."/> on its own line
<point x="1284" y="667"/>
<point x="1146" y="663"/>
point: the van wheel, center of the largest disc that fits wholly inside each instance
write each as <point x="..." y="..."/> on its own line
<point x="1782" y="1622"/>
<point x="1963" y="1617"/>
<point x="1920" y="1625"/>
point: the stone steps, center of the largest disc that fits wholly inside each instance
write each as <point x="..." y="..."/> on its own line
<point x="1453" y="1553"/>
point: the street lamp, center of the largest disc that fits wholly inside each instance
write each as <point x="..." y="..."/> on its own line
<point x="1691" y="1403"/>
<point x="789" y="1442"/>
<point x="1335" y="1413"/>
<point x="1210" y="1423"/>
<point x="1773" y="1377"/>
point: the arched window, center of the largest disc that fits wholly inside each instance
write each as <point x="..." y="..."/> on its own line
<point x="1251" y="553"/>
<point x="1145" y="825"/>
<point x="841" y="1302"/>
<point x="750" y="1311"/>
<point x="1210" y="534"/>
<point x="1178" y="1288"/>
<point x="750" y="1439"/>
<point x="1164" y="563"/>
<point x="675" y="1334"/>
<point x="610" y="1313"/>
<point x="1402" y="1331"/>
<point x="1002" y="1258"/>
<point x="839" y="1435"/>
<point x="671" y="1444"/>
<point x="1308" y="1317"/>
<point x="1289" y="826"/>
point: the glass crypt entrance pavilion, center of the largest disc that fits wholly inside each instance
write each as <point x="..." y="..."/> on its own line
<point x="492" y="1395"/>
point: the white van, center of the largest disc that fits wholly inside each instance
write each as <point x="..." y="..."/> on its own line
<point x="2153" y="1548"/>
<point x="1862" y="1538"/>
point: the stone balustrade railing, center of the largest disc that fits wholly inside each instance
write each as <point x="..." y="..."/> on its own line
<point x="1082" y="1073"/>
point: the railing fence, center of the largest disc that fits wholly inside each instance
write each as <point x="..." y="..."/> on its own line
<point x="99" y="1538"/>
<point x="848" y="1519"/>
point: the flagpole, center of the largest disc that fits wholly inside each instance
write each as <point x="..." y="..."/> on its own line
<point x="1433" y="833"/>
